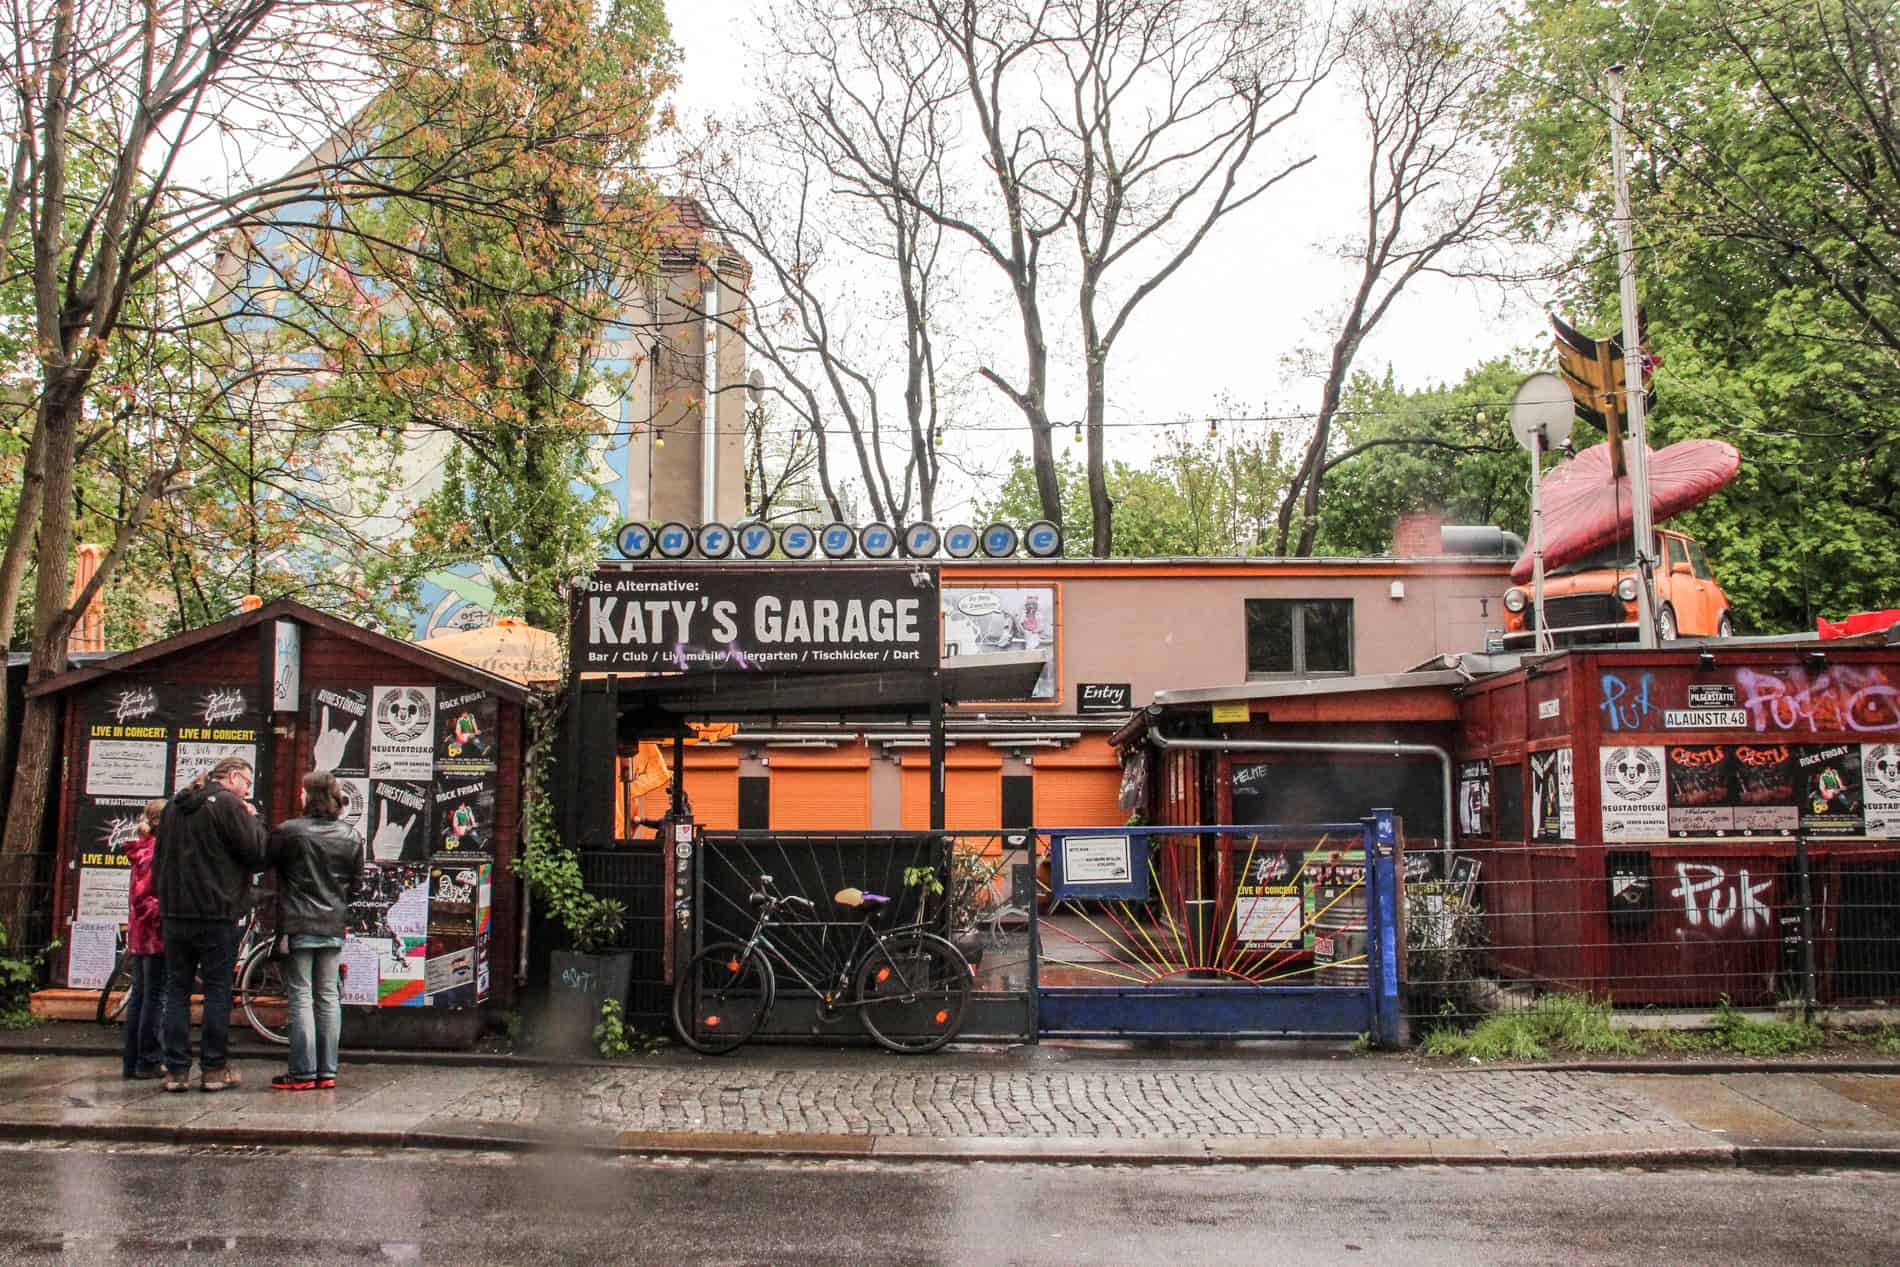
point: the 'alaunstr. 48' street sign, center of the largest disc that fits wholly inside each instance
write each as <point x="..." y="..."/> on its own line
<point x="768" y="620"/>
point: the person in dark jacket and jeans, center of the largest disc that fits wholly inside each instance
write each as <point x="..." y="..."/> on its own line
<point x="209" y="843"/>
<point x="146" y="945"/>
<point x="319" y="864"/>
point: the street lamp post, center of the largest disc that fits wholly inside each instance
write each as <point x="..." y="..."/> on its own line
<point x="1635" y="403"/>
<point x="1542" y="413"/>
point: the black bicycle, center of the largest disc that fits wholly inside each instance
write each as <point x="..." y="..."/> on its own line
<point x="909" y="987"/>
<point x="258" y="989"/>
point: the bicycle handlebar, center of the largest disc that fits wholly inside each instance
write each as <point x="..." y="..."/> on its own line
<point x="765" y="896"/>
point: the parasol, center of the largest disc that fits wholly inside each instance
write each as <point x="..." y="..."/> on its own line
<point x="507" y="648"/>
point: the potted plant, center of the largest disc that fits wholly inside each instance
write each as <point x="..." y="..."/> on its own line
<point x="590" y="970"/>
<point x="970" y="895"/>
<point x="589" y="974"/>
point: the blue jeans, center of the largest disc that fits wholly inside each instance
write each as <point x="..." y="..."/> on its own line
<point x="315" y="1022"/>
<point x="144" y="1005"/>
<point x="207" y="950"/>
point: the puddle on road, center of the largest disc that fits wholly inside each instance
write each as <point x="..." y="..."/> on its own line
<point x="166" y="1249"/>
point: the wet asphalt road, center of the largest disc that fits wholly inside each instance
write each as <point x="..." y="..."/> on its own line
<point x="151" y="1205"/>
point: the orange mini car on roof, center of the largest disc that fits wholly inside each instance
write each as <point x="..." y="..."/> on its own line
<point x="1593" y="599"/>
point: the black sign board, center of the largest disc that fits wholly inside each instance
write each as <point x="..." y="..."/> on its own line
<point x="741" y="619"/>
<point x="1104" y="697"/>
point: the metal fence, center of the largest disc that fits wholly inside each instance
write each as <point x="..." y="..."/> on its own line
<point x="634" y="874"/>
<point x="1812" y="924"/>
<point x="1260" y="931"/>
<point x="1807" y="924"/>
<point x="26" y="910"/>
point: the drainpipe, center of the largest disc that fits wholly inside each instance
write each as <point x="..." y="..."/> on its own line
<point x="709" y="409"/>
<point x="1166" y="744"/>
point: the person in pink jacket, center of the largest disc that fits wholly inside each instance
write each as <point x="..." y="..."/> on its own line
<point x="144" y="941"/>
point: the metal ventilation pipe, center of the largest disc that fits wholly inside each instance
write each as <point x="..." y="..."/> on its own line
<point x="1480" y="539"/>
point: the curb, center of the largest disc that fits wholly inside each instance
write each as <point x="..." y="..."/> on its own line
<point x="1710" y="1068"/>
<point x="518" y="1060"/>
<point x="364" y="1055"/>
<point x="901" y="1150"/>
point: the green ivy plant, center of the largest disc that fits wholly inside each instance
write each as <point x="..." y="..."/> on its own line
<point x="18" y="975"/>
<point x="614" y="1039"/>
<point x="611" y="1038"/>
<point x="548" y="863"/>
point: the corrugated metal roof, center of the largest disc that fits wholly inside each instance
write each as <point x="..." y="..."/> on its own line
<point x="1294" y="688"/>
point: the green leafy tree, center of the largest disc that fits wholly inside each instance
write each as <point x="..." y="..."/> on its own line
<point x="1211" y="497"/>
<point x="1443" y="448"/>
<point x="1767" y="202"/>
<point x="479" y="312"/>
<point x="110" y="238"/>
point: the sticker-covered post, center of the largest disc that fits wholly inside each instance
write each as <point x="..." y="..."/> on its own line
<point x="1381" y="843"/>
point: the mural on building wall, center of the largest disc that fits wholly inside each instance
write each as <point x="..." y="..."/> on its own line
<point x="1004" y="618"/>
<point x="460" y="598"/>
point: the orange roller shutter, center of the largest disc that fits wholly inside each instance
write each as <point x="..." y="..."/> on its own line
<point x="1079" y="786"/>
<point x="711" y="779"/>
<point x="821" y="789"/>
<point x="972" y="790"/>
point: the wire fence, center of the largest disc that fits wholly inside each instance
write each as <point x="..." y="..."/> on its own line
<point x="1804" y="924"/>
<point x="26" y="911"/>
<point x="1810" y="925"/>
<point x="634" y="874"/>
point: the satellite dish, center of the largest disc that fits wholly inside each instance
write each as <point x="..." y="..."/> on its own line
<point x="1543" y="404"/>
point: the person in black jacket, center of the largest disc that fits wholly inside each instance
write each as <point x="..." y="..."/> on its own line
<point x="209" y="843"/>
<point x="319" y="864"/>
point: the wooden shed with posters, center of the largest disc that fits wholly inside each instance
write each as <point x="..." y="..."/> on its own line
<point x="1643" y="819"/>
<point x="429" y="749"/>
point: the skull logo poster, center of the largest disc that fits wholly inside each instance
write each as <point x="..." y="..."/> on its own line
<point x="402" y="733"/>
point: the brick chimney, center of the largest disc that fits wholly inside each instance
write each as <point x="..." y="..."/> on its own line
<point x="1416" y="535"/>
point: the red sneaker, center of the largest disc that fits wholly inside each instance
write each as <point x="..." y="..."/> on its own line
<point x="293" y="1082"/>
<point x="326" y="1084"/>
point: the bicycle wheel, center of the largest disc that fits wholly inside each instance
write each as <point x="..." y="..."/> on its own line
<point x="722" y="998"/>
<point x="263" y="995"/>
<point x="117" y="995"/>
<point x="913" y="989"/>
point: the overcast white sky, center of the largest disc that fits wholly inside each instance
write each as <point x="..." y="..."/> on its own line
<point x="1224" y="327"/>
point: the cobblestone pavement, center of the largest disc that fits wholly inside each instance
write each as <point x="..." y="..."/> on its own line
<point x="1012" y="1104"/>
<point x="1108" y="1103"/>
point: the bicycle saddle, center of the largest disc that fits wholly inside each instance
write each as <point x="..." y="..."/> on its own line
<point x="858" y="897"/>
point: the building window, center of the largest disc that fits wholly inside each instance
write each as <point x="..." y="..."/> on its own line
<point x="1298" y="637"/>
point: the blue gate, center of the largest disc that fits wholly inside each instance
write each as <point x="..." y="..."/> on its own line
<point x="1287" y="930"/>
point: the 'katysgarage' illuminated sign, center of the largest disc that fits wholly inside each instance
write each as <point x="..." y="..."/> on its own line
<point x="782" y="620"/>
<point x="834" y="541"/>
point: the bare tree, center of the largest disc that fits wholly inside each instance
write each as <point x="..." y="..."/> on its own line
<point x="1431" y="195"/>
<point x="135" y="126"/>
<point x="779" y="466"/>
<point x="818" y="190"/>
<point x="984" y="130"/>
<point x="1165" y="111"/>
